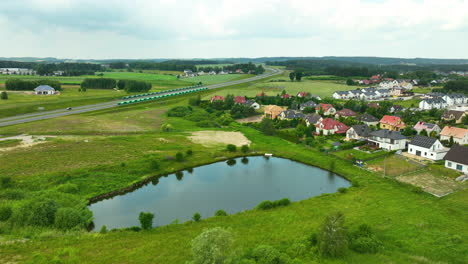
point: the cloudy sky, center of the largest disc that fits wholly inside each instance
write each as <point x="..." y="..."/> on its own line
<point x="233" y="28"/>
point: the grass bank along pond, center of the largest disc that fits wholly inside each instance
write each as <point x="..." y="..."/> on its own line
<point x="234" y="186"/>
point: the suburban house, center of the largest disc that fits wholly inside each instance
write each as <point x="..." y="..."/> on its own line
<point x="189" y="73"/>
<point x="310" y="104"/>
<point x="388" y="84"/>
<point x="454" y="115"/>
<point x="427" y="147"/>
<point x="368" y="96"/>
<point x="341" y="95"/>
<point x="368" y="119"/>
<point x="383" y="92"/>
<point x="327" y="109"/>
<point x="301" y="94"/>
<point x="272" y="111"/>
<point x="453" y="99"/>
<point x="355" y="93"/>
<point x="315" y="97"/>
<point x="217" y="98"/>
<point x="460" y="135"/>
<point x="345" y="113"/>
<point x="44" y="89"/>
<point x="239" y="99"/>
<point x="393" y="123"/>
<point x="457" y="158"/>
<point x="290" y="114"/>
<point x="284" y="96"/>
<point x="373" y="105"/>
<point x="387" y="139"/>
<point x="428" y="127"/>
<point x="358" y="132"/>
<point x="312" y="119"/>
<point x="432" y="103"/>
<point x="399" y="91"/>
<point x="330" y="126"/>
<point x="252" y="104"/>
<point x="406" y="84"/>
<point x="395" y="108"/>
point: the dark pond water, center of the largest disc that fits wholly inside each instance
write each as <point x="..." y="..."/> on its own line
<point x="206" y="189"/>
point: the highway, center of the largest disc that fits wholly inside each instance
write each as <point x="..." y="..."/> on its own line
<point x="19" y="119"/>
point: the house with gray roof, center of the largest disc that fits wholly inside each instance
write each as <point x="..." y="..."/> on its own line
<point x="368" y="119"/>
<point x="290" y="114"/>
<point x="454" y="99"/>
<point x="310" y="104"/>
<point x="358" y="132"/>
<point x="386" y="139"/>
<point x="432" y="103"/>
<point x="252" y="103"/>
<point x="428" y="127"/>
<point x="44" y="89"/>
<point x="457" y="158"/>
<point x="312" y="119"/>
<point x="427" y="147"/>
<point x="341" y="95"/>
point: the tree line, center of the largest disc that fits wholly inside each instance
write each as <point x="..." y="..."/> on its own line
<point x="130" y="86"/>
<point x="26" y="85"/>
<point x="69" y="69"/>
<point x="458" y="86"/>
<point x="244" y="67"/>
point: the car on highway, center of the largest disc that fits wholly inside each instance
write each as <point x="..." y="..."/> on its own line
<point x="69" y="108"/>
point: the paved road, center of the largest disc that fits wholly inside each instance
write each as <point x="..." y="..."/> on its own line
<point x="87" y="108"/>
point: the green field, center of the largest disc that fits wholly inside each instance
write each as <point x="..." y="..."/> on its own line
<point x="212" y="79"/>
<point x="357" y="154"/>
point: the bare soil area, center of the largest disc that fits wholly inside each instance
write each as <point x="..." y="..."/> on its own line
<point x="209" y="138"/>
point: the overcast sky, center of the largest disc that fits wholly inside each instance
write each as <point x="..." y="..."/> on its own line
<point x="233" y="28"/>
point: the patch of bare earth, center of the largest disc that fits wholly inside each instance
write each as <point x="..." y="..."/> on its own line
<point x="251" y="119"/>
<point x="438" y="186"/>
<point x="208" y="138"/>
<point x="26" y="141"/>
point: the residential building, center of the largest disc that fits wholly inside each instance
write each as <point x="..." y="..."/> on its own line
<point x="454" y="115"/>
<point x="454" y="99"/>
<point x="393" y="123"/>
<point x="387" y="139"/>
<point x="406" y="84"/>
<point x="460" y="135"/>
<point x="252" y="104"/>
<point x="315" y="97"/>
<point x="290" y="114"/>
<point x="368" y="119"/>
<point x="330" y="126"/>
<point x="457" y="158"/>
<point x="272" y="111"/>
<point x="327" y="109"/>
<point x="310" y="104"/>
<point x="239" y="99"/>
<point x="428" y="127"/>
<point x="44" y="90"/>
<point x="341" y="95"/>
<point x="312" y="119"/>
<point x="355" y="93"/>
<point x="427" y="147"/>
<point x="301" y="94"/>
<point x="432" y="103"/>
<point x="383" y="92"/>
<point x="395" y="108"/>
<point x="345" y="113"/>
<point x="285" y="96"/>
<point x="369" y="96"/>
<point x="358" y="132"/>
<point x="217" y="98"/>
<point x="373" y="105"/>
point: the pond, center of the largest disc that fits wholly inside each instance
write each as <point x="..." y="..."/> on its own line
<point x="233" y="186"/>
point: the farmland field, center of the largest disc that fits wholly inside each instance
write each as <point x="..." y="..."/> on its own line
<point x="212" y="79"/>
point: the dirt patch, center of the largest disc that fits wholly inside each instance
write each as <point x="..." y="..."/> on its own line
<point x="26" y="141"/>
<point x="251" y="119"/>
<point x="438" y="186"/>
<point x="219" y="137"/>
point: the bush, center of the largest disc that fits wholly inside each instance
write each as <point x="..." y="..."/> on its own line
<point x="189" y="152"/>
<point x="5" y="213"/>
<point x="68" y="188"/>
<point x="264" y="254"/>
<point x="221" y="213"/>
<point x="12" y="195"/>
<point x="167" y="127"/>
<point x="5" y="182"/>
<point x="297" y="250"/>
<point x="154" y="164"/>
<point x="313" y="239"/>
<point x="196" y="217"/>
<point x="245" y="148"/>
<point x="231" y="148"/>
<point x="231" y="162"/>
<point x="146" y="220"/>
<point x="179" y="156"/>
<point x="179" y="111"/>
<point x="36" y="213"/>
<point x="265" y="205"/>
<point x="342" y="190"/>
<point x="132" y="86"/>
<point x="282" y="202"/>
<point x="67" y="218"/>
<point x="103" y="230"/>
<point x="212" y="246"/>
<point x="4" y="96"/>
<point x="365" y="245"/>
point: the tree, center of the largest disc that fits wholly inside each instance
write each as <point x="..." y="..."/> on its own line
<point x="332" y="240"/>
<point x="267" y="126"/>
<point x="245" y="148"/>
<point x="212" y="246"/>
<point x="4" y="96"/>
<point x="196" y="217"/>
<point x="292" y="76"/>
<point x="423" y="132"/>
<point x="231" y="148"/>
<point x="451" y="141"/>
<point x="67" y="218"/>
<point x="146" y="220"/>
<point x="179" y="156"/>
<point x="299" y="76"/>
<point x="349" y="82"/>
<point x="220" y="213"/>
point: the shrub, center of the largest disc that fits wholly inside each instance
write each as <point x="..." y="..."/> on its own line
<point x="179" y="111"/>
<point x="179" y="156"/>
<point x="365" y="245"/>
<point x="146" y="220"/>
<point x="179" y="175"/>
<point x="332" y="240"/>
<point x="154" y="163"/>
<point x="167" y="127"/>
<point x="221" y="213"/>
<point x="282" y="202"/>
<point x="5" y="182"/>
<point x="189" y="152"/>
<point x="67" y="218"/>
<point x="245" y="148"/>
<point x="313" y="239"/>
<point x="12" y="195"/>
<point x="264" y="254"/>
<point x="68" y="188"/>
<point x="342" y="190"/>
<point x="297" y="250"/>
<point x="5" y="213"/>
<point x="231" y="148"/>
<point x="4" y="96"/>
<point x="265" y="205"/>
<point x="196" y="217"/>
<point x="103" y="229"/>
<point x="212" y="246"/>
<point x="36" y="213"/>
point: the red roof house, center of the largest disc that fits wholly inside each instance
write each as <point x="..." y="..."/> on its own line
<point x="301" y="94"/>
<point x="392" y="123"/>
<point x="284" y="96"/>
<point x="217" y="98"/>
<point x="328" y="109"/>
<point x="261" y="94"/>
<point x="345" y="113"/>
<point x="239" y="99"/>
<point x="366" y="82"/>
<point x="331" y="126"/>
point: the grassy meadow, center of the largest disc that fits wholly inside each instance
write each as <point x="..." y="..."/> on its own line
<point x="213" y="79"/>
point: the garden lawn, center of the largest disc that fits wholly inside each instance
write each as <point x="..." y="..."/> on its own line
<point x="357" y="154"/>
<point x="392" y="166"/>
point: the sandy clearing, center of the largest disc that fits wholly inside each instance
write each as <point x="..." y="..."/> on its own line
<point x="27" y="141"/>
<point x="209" y="138"/>
<point x="251" y="119"/>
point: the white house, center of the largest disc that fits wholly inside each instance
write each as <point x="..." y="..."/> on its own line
<point x="406" y="85"/>
<point x="427" y="147"/>
<point x="437" y="103"/>
<point x="457" y="158"/>
<point x="341" y="95"/>
<point x="252" y="104"/>
<point x="383" y="92"/>
<point x="428" y="127"/>
<point x="369" y="96"/>
<point x="355" y="93"/>
<point x="358" y="132"/>
<point x="459" y="135"/>
<point x="388" y="140"/>
<point x="312" y="119"/>
<point x="453" y="99"/>
<point x="44" y="89"/>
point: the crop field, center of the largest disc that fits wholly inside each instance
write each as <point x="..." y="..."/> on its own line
<point x="212" y="79"/>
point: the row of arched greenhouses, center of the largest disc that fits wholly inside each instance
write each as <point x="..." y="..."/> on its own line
<point x="161" y="96"/>
<point x="160" y="92"/>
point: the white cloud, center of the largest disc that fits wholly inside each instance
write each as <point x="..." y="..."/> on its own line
<point x="165" y="28"/>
